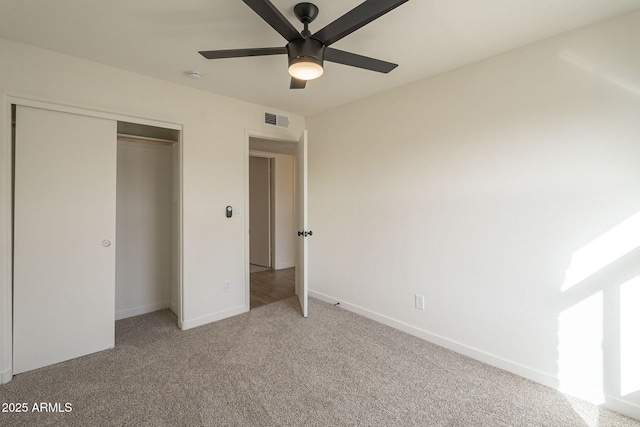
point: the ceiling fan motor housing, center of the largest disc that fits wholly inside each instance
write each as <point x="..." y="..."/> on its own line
<point x="305" y="50"/>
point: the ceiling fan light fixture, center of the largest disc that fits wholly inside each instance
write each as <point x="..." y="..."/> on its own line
<point x="305" y="68"/>
<point x="305" y="58"/>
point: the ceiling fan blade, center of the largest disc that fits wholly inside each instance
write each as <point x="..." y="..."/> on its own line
<point x="356" y="18"/>
<point x="238" y="53"/>
<point x="297" y="83"/>
<point x="273" y="17"/>
<point x="354" y="60"/>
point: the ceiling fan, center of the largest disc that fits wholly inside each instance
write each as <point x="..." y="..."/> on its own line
<point x="307" y="51"/>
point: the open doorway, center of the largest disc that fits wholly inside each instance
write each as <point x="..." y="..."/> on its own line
<point x="272" y="242"/>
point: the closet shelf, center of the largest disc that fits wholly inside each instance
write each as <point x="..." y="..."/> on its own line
<point x="144" y="140"/>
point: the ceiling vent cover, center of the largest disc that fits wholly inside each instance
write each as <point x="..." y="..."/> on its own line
<point x="276" y="120"/>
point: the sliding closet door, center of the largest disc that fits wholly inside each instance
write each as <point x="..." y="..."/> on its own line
<point x="64" y="248"/>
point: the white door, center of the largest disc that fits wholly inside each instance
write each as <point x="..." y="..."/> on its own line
<point x="301" y="224"/>
<point x="64" y="247"/>
<point x="259" y="211"/>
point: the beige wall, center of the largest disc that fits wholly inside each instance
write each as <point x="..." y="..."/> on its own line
<point x="213" y="167"/>
<point x="489" y="190"/>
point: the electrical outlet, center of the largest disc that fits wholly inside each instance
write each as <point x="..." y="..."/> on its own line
<point x="227" y="286"/>
<point x="419" y="302"/>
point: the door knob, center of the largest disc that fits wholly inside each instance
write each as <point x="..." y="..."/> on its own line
<point x="106" y="243"/>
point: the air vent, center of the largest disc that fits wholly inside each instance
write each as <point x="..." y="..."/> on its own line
<point x="276" y="120"/>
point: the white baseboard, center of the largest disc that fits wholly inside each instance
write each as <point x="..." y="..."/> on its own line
<point x="620" y="406"/>
<point x="613" y="403"/>
<point x="285" y="264"/>
<point x="6" y="376"/>
<point x="136" y="311"/>
<point x="188" y="324"/>
<point x="474" y="353"/>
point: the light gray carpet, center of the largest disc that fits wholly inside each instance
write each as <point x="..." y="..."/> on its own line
<point x="271" y="367"/>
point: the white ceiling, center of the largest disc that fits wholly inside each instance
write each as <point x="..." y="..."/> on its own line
<point x="161" y="38"/>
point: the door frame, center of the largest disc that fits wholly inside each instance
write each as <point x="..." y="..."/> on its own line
<point x="6" y="319"/>
<point x="248" y="134"/>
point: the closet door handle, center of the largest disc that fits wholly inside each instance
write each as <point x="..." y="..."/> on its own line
<point x="106" y="243"/>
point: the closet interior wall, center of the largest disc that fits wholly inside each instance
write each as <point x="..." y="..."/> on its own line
<point x="147" y="217"/>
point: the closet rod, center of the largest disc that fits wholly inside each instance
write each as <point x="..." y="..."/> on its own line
<point x="144" y="139"/>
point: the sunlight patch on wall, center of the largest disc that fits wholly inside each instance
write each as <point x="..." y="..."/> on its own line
<point x="580" y="368"/>
<point x="630" y="336"/>
<point x="602" y="251"/>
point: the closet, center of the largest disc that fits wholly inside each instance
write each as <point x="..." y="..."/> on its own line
<point x="95" y="229"/>
<point x="146" y="220"/>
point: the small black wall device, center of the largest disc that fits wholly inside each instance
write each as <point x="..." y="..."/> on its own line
<point x="229" y="211"/>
